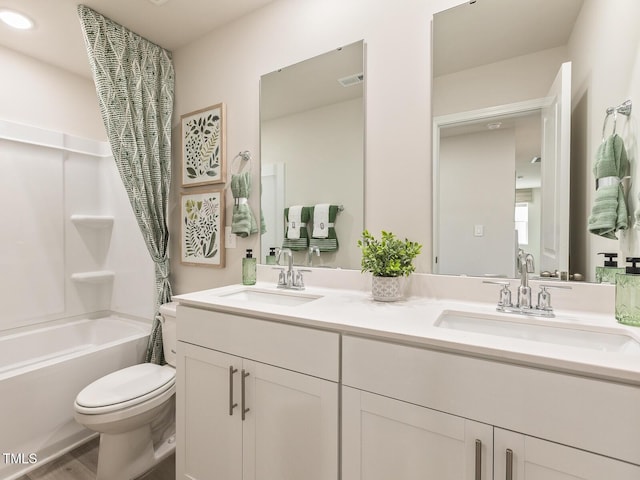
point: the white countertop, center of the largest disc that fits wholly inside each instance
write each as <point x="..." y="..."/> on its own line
<point x="412" y="321"/>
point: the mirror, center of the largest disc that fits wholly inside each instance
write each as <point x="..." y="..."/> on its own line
<point x="312" y="153"/>
<point x="501" y="134"/>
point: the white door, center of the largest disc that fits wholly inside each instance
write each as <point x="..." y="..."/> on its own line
<point x="272" y="202"/>
<point x="291" y="426"/>
<point x="556" y="140"/>
<point x="519" y="457"/>
<point x="384" y="439"/>
<point x="209" y="431"/>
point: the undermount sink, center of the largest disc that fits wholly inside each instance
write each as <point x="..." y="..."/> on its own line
<point x="593" y="338"/>
<point x="270" y="297"/>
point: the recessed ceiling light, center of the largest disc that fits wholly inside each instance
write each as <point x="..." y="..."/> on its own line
<point x="16" y="20"/>
<point x="494" y="125"/>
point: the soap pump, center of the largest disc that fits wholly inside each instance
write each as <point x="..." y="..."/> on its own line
<point x="628" y="293"/>
<point x="249" y="267"/>
<point x="608" y="272"/>
<point x="271" y="258"/>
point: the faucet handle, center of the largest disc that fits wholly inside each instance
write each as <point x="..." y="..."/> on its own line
<point x="544" y="297"/>
<point x="299" y="279"/>
<point x="505" y="293"/>
<point x="282" y="279"/>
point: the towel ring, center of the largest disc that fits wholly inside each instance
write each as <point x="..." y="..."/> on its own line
<point x="624" y="108"/>
<point x="245" y="156"/>
<point x="610" y="111"/>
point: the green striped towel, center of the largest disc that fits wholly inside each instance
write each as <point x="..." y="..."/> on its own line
<point x="609" y="211"/>
<point x="243" y="223"/>
<point x="297" y="239"/>
<point x="325" y="242"/>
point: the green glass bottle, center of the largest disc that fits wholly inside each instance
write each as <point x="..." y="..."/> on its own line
<point x="628" y="293"/>
<point x="249" y="268"/>
<point x="271" y="258"/>
<point x="608" y="272"/>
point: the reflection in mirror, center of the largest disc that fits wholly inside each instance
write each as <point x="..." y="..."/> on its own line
<point x="312" y="153"/>
<point x="502" y="155"/>
<point x="499" y="104"/>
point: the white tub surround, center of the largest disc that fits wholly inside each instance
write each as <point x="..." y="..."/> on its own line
<point x="571" y="400"/>
<point x="73" y="242"/>
<point x="43" y="368"/>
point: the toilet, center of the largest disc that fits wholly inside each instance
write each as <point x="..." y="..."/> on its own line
<point x="133" y="409"/>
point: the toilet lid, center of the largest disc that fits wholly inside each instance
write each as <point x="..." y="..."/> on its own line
<point x="126" y="385"/>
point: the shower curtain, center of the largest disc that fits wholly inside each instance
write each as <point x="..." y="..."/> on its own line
<point x="135" y="84"/>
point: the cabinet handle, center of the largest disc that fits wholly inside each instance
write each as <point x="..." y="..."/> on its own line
<point x="244" y="410"/>
<point x="478" y="460"/>
<point x="231" y="404"/>
<point x="509" y="464"/>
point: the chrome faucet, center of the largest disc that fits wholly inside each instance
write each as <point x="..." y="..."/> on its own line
<point x="543" y="308"/>
<point x="312" y="249"/>
<point x="525" y="267"/>
<point x="289" y="278"/>
<point x="288" y="274"/>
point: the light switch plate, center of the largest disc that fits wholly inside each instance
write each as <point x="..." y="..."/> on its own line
<point x="229" y="238"/>
<point x="478" y="230"/>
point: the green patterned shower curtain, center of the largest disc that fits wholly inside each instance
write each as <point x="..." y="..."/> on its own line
<point x="135" y="83"/>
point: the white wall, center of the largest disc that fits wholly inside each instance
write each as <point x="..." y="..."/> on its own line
<point x="329" y="139"/>
<point x="35" y="93"/>
<point x="226" y="65"/>
<point x="500" y="83"/>
<point x="43" y="187"/>
<point x="477" y="188"/>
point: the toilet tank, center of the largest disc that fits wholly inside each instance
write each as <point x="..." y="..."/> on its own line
<point x="169" y="338"/>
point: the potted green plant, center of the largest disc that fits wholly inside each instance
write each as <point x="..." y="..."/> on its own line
<point x="388" y="259"/>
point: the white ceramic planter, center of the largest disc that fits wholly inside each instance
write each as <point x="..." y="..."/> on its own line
<point x="387" y="289"/>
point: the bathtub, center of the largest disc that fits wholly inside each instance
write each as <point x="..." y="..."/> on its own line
<point x="41" y="372"/>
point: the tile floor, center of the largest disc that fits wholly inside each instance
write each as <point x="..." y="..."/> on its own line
<point x="81" y="464"/>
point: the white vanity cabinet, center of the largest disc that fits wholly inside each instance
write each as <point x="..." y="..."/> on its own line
<point x="255" y="399"/>
<point x="384" y="438"/>
<point x="417" y="413"/>
<point x="521" y="457"/>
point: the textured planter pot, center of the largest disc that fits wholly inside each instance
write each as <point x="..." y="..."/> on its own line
<point x="387" y="289"/>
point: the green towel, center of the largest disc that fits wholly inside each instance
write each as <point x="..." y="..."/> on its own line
<point x="301" y="243"/>
<point x="330" y="243"/>
<point x="609" y="211"/>
<point x="243" y="223"/>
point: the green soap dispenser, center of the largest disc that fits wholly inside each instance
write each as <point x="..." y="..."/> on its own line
<point x="271" y="258"/>
<point x="608" y="272"/>
<point x="628" y="293"/>
<point x="249" y="267"/>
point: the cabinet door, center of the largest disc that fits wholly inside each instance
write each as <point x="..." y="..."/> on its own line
<point x="384" y="438"/>
<point x="209" y="439"/>
<point x="291" y="428"/>
<point x="535" y="459"/>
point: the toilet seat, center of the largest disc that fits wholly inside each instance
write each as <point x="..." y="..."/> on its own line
<point x="125" y="388"/>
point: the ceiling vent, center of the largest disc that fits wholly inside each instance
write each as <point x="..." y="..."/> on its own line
<point x="351" y="80"/>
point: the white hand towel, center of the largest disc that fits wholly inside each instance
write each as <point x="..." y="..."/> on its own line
<point x="294" y="222"/>
<point x="321" y="221"/>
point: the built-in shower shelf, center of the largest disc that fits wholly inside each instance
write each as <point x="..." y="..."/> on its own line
<point x="94" y="221"/>
<point x="98" y="276"/>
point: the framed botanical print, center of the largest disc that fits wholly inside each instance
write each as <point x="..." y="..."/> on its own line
<point x="202" y="235"/>
<point x="203" y="146"/>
